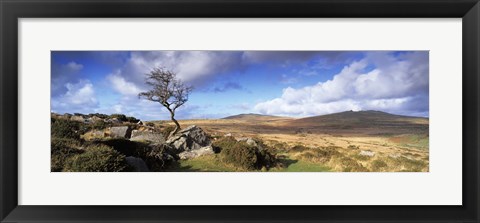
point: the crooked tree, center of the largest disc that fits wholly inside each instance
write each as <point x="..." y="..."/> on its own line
<point x="167" y="90"/>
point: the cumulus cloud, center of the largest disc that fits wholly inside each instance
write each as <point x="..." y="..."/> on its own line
<point x="194" y="67"/>
<point x="122" y="86"/>
<point x="396" y="84"/>
<point x="392" y="82"/>
<point x="79" y="96"/>
<point x="63" y="74"/>
<point x="200" y="67"/>
<point x="283" y="57"/>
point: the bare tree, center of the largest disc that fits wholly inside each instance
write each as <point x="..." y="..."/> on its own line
<point x="168" y="91"/>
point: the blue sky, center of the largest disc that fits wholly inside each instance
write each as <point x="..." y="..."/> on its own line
<point x="285" y="83"/>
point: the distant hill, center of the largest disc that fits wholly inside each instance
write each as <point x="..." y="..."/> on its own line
<point x="376" y="122"/>
<point x="256" y="117"/>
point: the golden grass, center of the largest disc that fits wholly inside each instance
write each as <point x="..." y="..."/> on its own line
<point x="392" y="153"/>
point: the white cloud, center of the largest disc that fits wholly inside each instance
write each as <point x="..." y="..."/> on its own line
<point x="73" y="66"/>
<point x="195" y="67"/>
<point x="199" y="67"/>
<point x="395" y="84"/>
<point x="122" y="86"/>
<point x="63" y="74"/>
<point x="79" y="96"/>
<point x="282" y="57"/>
<point x="118" y="108"/>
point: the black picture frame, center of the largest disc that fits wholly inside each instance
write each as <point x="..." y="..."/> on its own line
<point x="12" y="10"/>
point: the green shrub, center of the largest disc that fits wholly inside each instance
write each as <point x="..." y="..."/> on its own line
<point x="412" y="165"/>
<point x="280" y="146"/>
<point x="124" y="118"/>
<point x="322" y="154"/>
<point x="120" y="117"/>
<point x="378" y="165"/>
<point x="157" y="158"/>
<point x="361" y="157"/>
<point x="61" y="150"/>
<point x="102" y="116"/>
<point x="97" y="158"/>
<point x="99" y="125"/>
<point x="224" y="142"/>
<point x="350" y="165"/>
<point x="79" y="114"/>
<point x="240" y="155"/>
<point x="299" y="148"/>
<point x="244" y="156"/>
<point x="125" y="146"/>
<point x="61" y="128"/>
<point x="132" y="119"/>
<point x="353" y="147"/>
<point x="266" y="159"/>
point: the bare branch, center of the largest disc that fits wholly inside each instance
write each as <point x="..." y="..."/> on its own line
<point x="166" y="90"/>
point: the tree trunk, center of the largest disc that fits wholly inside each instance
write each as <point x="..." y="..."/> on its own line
<point x="177" y="126"/>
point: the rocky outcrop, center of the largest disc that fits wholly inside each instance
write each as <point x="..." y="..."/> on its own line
<point x="138" y="164"/>
<point x="248" y="140"/>
<point x="158" y="158"/>
<point x="113" y="120"/>
<point x="120" y="132"/>
<point x="395" y="155"/>
<point x="153" y="137"/>
<point x="207" y="150"/>
<point x="77" y="118"/>
<point x="93" y="119"/>
<point x="366" y="153"/>
<point x="97" y="133"/>
<point x="190" y="138"/>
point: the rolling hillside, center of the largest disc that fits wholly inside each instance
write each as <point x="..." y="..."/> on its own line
<point x="363" y="122"/>
<point x="256" y="117"/>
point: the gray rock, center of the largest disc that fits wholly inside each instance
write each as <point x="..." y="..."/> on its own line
<point x="77" y="118"/>
<point x="190" y="138"/>
<point x="113" y="120"/>
<point x="138" y="164"/>
<point x="94" y="119"/>
<point x="207" y="150"/>
<point x="98" y="133"/>
<point x="395" y="155"/>
<point x="248" y="140"/>
<point x="120" y="132"/>
<point x="252" y="142"/>
<point x="366" y="153"/>
<point x="154" y="137"/>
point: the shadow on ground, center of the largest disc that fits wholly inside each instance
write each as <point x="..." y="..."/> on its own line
<point x="285" y="161"/>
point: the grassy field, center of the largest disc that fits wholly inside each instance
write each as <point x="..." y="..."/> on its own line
<point x="210" y="163"/>
<point x="213" y="163"/>
<point x="349" y="141"/>
<point x="303" y="166"/>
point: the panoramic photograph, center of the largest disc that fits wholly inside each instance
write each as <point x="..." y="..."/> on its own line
<point x="239" y="111"/>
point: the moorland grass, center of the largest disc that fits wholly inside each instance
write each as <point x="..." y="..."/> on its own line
<point x="210" y="163"/>
<point x="97" y="158"/>
<point x="304" y="166"/>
